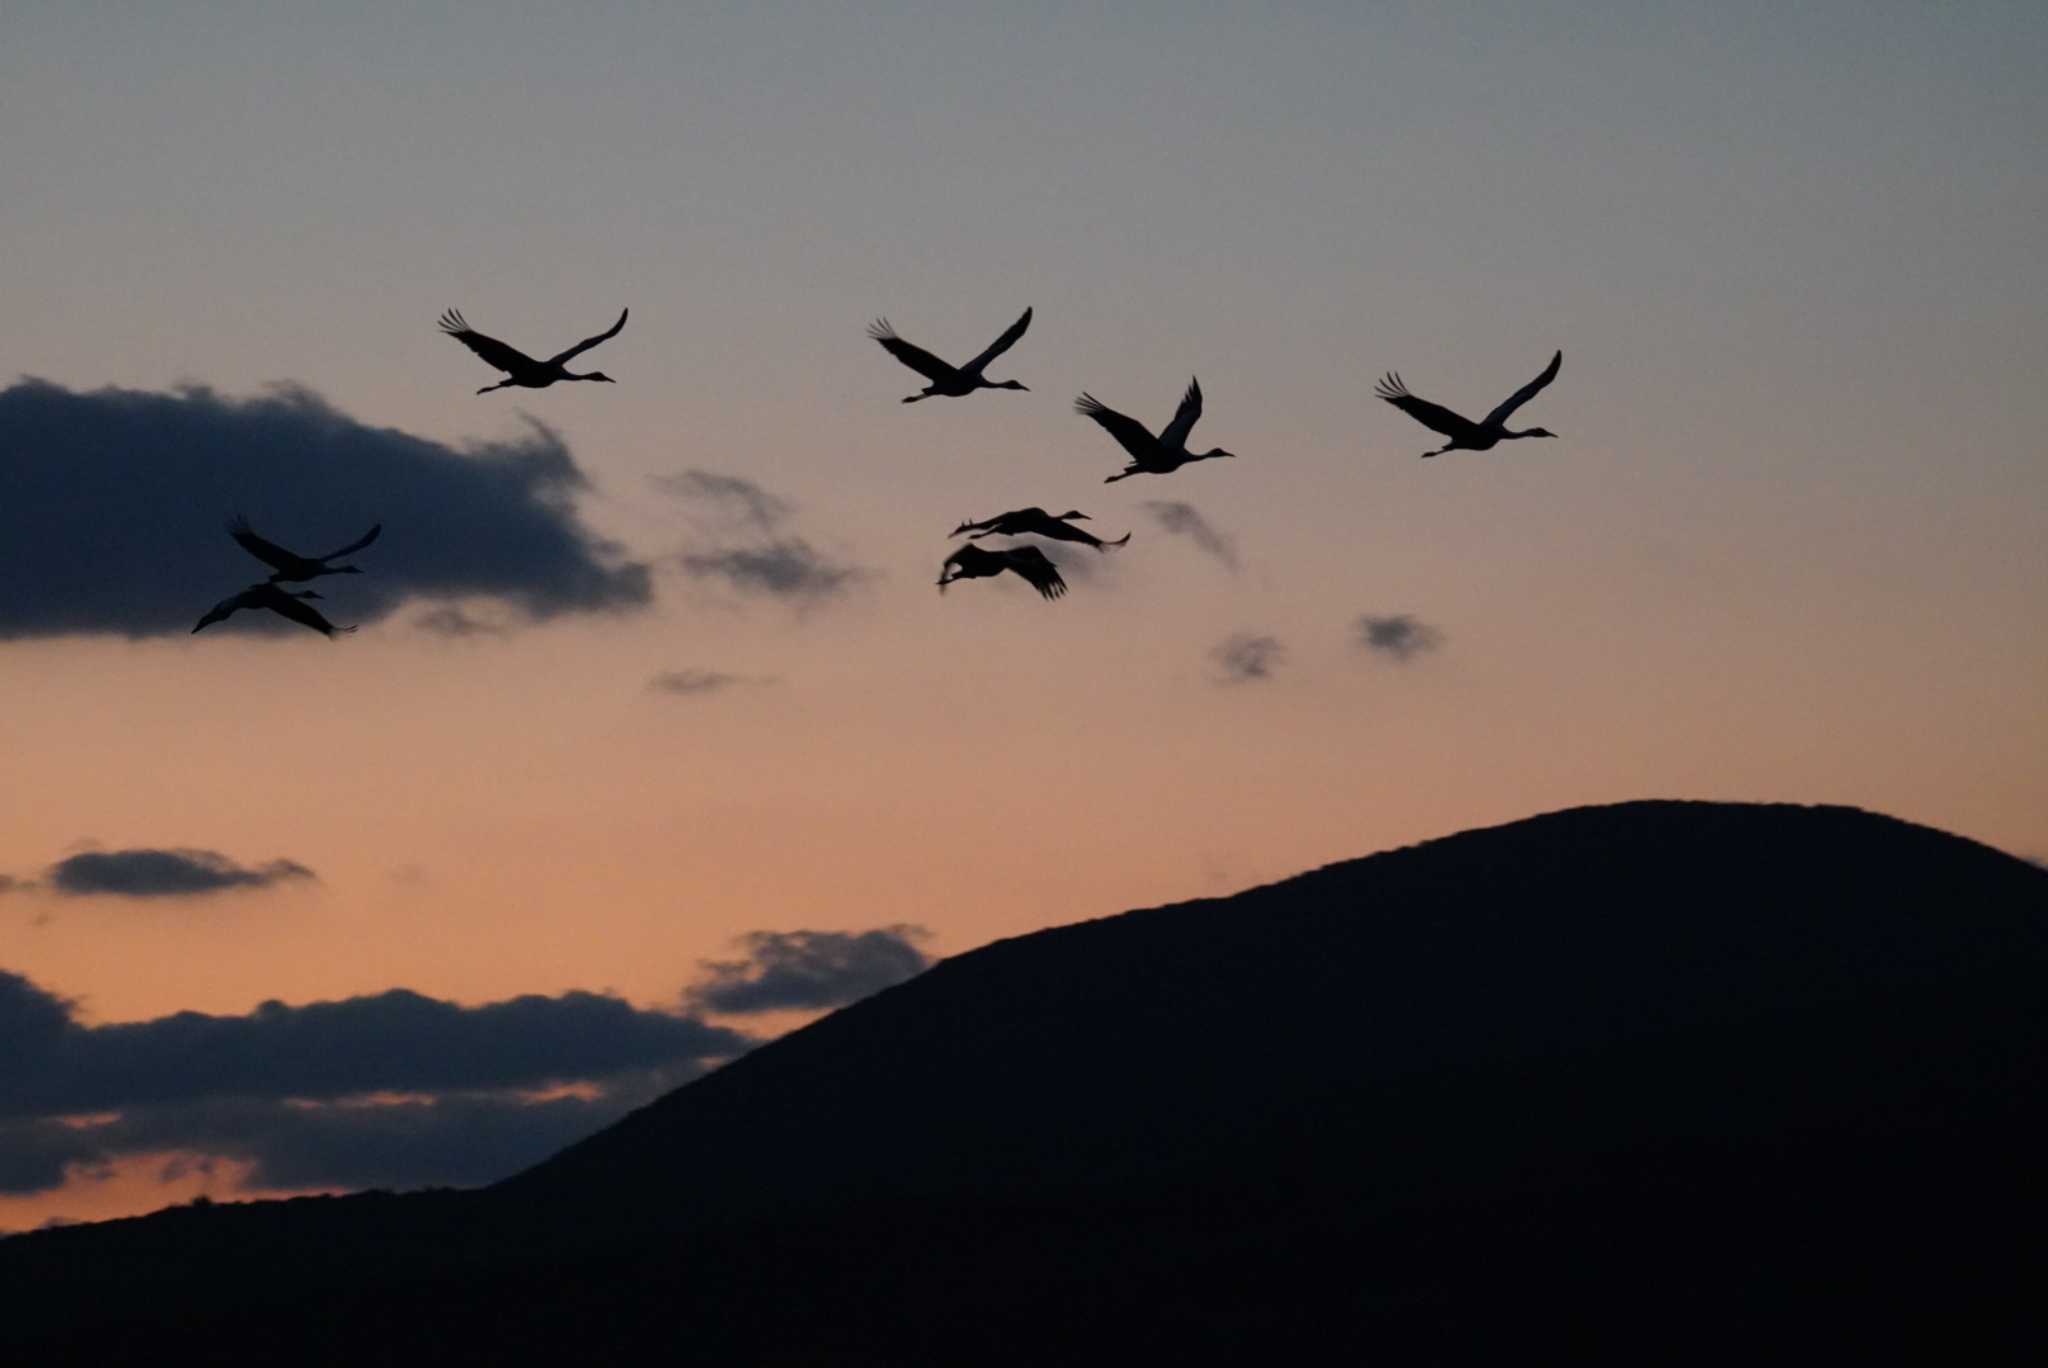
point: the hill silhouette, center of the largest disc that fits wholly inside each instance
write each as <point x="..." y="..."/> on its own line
<point x="1623" y="1080"/>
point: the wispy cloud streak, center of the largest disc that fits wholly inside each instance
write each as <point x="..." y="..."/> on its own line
<point x="1184" y="519"/>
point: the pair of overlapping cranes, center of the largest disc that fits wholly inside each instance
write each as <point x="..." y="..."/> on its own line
<point x="1150" y="454"/>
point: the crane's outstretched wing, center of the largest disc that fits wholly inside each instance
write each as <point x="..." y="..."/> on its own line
<point x="224" y="608"/>
<point x="1430" y="415"/>
<point x="1130" y="434"/>
<point x="562" y="358"/>
<point x="1526" y="392"/>
<point x="269" y="552"/>
<point x="358" y="544"/>
<point x="1000" y="345"/>
<point x="1176" y="434"/>
<point x="494" y="353"/>
<point x="911" y="355"/>
<point x="302" y="612"/>
<point x="1038" y="568"/>
<point x="1000" y="523"/>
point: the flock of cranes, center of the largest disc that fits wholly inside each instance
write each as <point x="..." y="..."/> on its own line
<point x="1149" y="454"/>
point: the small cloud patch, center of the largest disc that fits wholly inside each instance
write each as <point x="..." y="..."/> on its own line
<point x="790" y="568"/>
<point x="749" y="546"/>
<point x="1247" y="656"/>
<point x="697" y="683"/>
<point x="1399" y="637"/>
<point x="729" y="497"/>
<point x="451" y="621"/>
<point x="808" y="970"/>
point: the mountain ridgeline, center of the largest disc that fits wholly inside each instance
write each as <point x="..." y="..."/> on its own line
<point x="1589" y="1078"/>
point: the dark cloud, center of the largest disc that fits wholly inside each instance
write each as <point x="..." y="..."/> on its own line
<point x="116" y="499"/>
<point x="1184" y="519"/>
<point x="787" y="970"/>
<point x="397" y="1041"/>
<point x="696" y="682"/>
<point x="164" y="873"/>
<point x="1246" y="656"/>
<point x="35" y="1154"/>
<point x="728" y="497"/>
<point x="8" y="883"/>
<point x="1401" y="636"/>
<point x="790" y="568"/>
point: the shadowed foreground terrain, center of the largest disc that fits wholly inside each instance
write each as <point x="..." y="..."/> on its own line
<point x="1633" y="1081"/>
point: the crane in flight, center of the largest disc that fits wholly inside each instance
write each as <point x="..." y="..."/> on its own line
<point x="951" y="381"/>
<point x="1161" y="455"/>
<point x="290" y="565"/>
<point x="1036" y="522"/>
<point x="522" y="369"/>
<point x="1465" y="434"/>
<point x="1028" y="562"/>
<point x="284" y="602"/>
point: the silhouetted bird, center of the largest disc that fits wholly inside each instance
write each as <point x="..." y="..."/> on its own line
<point x="524" y="370"/>
<point x="978" y="562"/>
<point x="1465" y="434"/>
<point x="1036" y="522"/>
<point x="1161" y="455"/>
<point x="285" y="602"/>
<point x="951" y="381"/>
<point x="290" y="565"/>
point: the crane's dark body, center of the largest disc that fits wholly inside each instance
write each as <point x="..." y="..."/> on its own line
<point x="522" y="369"/>
<point x="1036" y="522"/>
<point x="1150" y="455"/>
<point x="1027" y="562"/>
<point x="947" y="380"/>
<point x="290" y="566"/>
<point x="1465" y="434"/>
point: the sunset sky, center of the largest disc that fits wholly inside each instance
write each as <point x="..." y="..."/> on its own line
<point x="652" y="676"/>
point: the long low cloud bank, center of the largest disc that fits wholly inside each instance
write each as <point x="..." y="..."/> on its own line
<point x="148" y="873"/>
<point x="116" y="500"/>
<point x="392" y="1089"/>
<point x="397" y="1041"/>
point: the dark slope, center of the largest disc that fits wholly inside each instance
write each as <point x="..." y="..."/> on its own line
<point x="1610" y="1079"/>
<point x="1141" y="1049"/>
